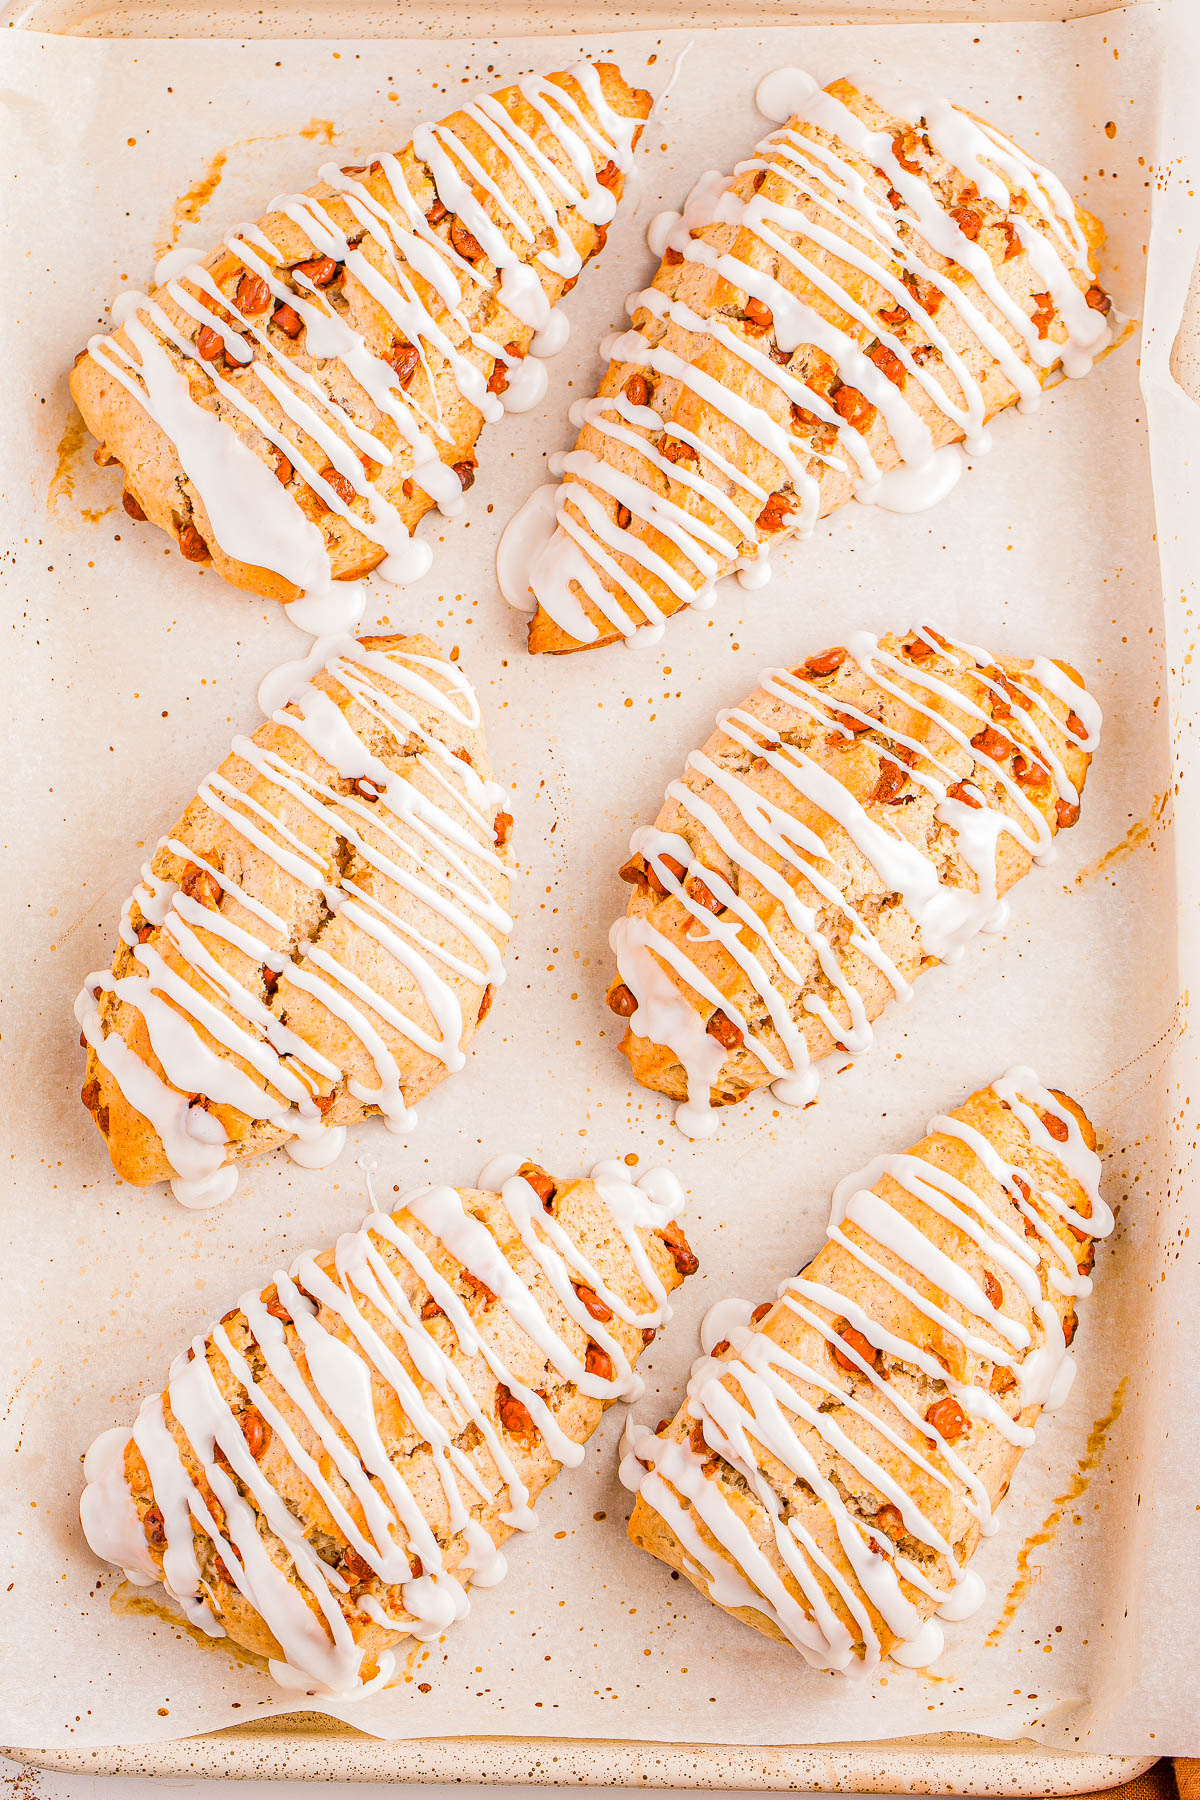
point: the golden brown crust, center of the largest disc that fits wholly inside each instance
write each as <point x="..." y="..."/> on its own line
<point x="154" y="477"/>
<point x="578" y="1211"/>
<point x="859" y="1405"/>
<point x="312" y="934"/>
<point x="713" y="295"/>
<point x="867" y="764"/>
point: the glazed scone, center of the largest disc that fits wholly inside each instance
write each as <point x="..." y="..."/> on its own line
<point x="318" y="937"/>
<point x="883" y="275"/>
<point x="855" y="821"/>
<point x="841" y="1450"/>
<point x="333" y="1464"/>
<point x="290" y="408"/>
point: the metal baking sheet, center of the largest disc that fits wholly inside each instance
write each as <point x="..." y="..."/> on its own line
<point x="307" y="1747"/>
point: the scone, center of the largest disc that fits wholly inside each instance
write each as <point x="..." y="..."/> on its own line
<point x="334" y="1463"/>
<point x="318" y="937"/>
<point x="883" y="275"/>
<point x="855" y="821"/>
<point x="841" y="1450"/>
<point x="292" y="406"/>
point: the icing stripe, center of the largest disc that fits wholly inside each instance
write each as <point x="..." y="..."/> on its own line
<point x="438" y="852"/>
<point x="852" y="207"/>
<point x="340" y="1371"/>
<point x="803" y="876"/>
<point x="756" y="1400"/>
<point x="423" y="286"/>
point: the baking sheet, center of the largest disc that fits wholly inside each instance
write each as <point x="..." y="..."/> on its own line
<point x="310" y="1747"/>
<point x="130" y="670"/>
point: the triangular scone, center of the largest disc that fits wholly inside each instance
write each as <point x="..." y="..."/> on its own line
<point x="317" y="938"/>
<point x="291" y="407"/>
<point x="882" y="276"/>
<point x="854" y="821"/>
<point x="842" y="1449"/>
<point x="335" y="1463"/>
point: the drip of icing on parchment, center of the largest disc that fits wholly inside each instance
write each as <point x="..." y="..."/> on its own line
<point x="328" y="1372"/>
<point x="776" y="1402"/>
<point x="834" y="215"/>
<point x="780" y="854"/>
<point x="436" y="847"/>
<point x="424" y="287"/>
<point x="531" y="526"/>
<point x="783" y="93"/>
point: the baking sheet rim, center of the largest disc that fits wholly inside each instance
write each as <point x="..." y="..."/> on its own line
<point x="283" y="1749"/>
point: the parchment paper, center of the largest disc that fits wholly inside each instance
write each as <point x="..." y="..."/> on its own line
<point x="128" y="670"/>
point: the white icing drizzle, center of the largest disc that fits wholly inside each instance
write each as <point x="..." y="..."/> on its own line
<point x="875" y="242"/>
<point x="911" y="489"/>
<point x="317" y="1152"/>
<point x="783" y="854"/>
<point x="721" y="1321"/>
<point x="661" y="100"/>
<point x="783" y="93"/>
<point x="553" y="335"/>
<point x="436" y="848"/>
<point x="775" y="1397"/>
<point x="328" y="1372"/>
<point x="423" y="288"/>
<point x="530" y="526"/>
<point x="168" y="267"/>
<point x="964" y="1599"/>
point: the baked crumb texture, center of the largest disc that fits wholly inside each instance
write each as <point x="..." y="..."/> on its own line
<point x="884" y="274"/>
<point x="289" y="408"/>
<point x="840" y="1452"/>
<point x="856" y="820"/>
<point x="317" y="938"/>
<point x="330" y="1467"/>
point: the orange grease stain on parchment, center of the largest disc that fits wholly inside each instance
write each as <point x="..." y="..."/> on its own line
<point x="128" y="1600"/>
<point x="414" y="1659"/>
<point x="1084" y="1470"/>
<point x="66" y="460"/>
<point x="1134" y="838"/>
<point x="188" y="207"/>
